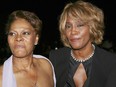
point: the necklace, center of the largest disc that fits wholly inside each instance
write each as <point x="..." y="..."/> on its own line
<point x="83" y="60"/>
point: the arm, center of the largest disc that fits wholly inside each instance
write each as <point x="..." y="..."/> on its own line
<point x="111" y="82"/>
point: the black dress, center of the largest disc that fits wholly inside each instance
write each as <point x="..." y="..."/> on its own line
<point x="72" y="69"/>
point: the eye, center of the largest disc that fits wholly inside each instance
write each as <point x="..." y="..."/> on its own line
<point x="68" y="26"/>
<point x="80" y="25"/>
<point x="11" y="33"/>
<point x="26" y="33"/>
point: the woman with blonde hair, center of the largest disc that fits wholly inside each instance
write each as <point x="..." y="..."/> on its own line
<point x="81" y="63"/>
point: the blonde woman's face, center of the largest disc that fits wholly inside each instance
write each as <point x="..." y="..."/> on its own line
<point x="22" y="38"/>
<point x="77" y="33"/>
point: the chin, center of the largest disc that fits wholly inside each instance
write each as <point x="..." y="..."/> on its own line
<point x="19" y="55"/>
<point x="75" y="47"/>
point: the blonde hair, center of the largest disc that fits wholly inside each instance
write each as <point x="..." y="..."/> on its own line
<point x="89" y="14"/>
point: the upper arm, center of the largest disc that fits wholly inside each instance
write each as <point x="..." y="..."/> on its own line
<point x="111" y="81"/>
<point x="1" y="68"/>
<point x="49" y="70"/>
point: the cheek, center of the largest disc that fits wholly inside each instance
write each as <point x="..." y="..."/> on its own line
<point x="10" y="44"/>
<point x="86" y="35"/>
<point x="85" y="32"/>
<point x="10" y="41"/>
<point x="30" y="40"/>
<point x="67" y="34"/>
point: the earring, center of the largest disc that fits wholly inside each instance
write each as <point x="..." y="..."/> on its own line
<point x="36" y="43"/>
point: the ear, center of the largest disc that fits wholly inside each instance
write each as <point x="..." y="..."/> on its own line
<point x="36" y="40"/>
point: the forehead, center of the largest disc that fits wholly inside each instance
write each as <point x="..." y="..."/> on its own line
<point x="73" y="19"/>
<point x="20" y="24"/>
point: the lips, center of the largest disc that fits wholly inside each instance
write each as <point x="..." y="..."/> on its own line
<point x="19" y="46"/>
<point x="74" y="39"/>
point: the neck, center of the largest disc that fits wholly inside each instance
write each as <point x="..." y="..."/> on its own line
<point x="22" y="63"/>
<point x="82" y="56"/>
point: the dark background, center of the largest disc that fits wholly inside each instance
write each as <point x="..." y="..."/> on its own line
<point x="49" y="12"/>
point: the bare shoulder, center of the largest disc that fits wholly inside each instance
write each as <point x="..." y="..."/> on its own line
<point x="45" y="69"/>
<point x="44" y="63"/>
<point x="1" y="69"/>
<point x="44" y="66"/>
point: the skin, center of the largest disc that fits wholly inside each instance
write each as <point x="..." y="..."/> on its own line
<point x="78" y="35"/>
<point x="28" y="71"/>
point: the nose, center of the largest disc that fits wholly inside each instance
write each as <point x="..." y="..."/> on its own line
<point x="19" y="38"/>
<point x="74" y="30"/>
